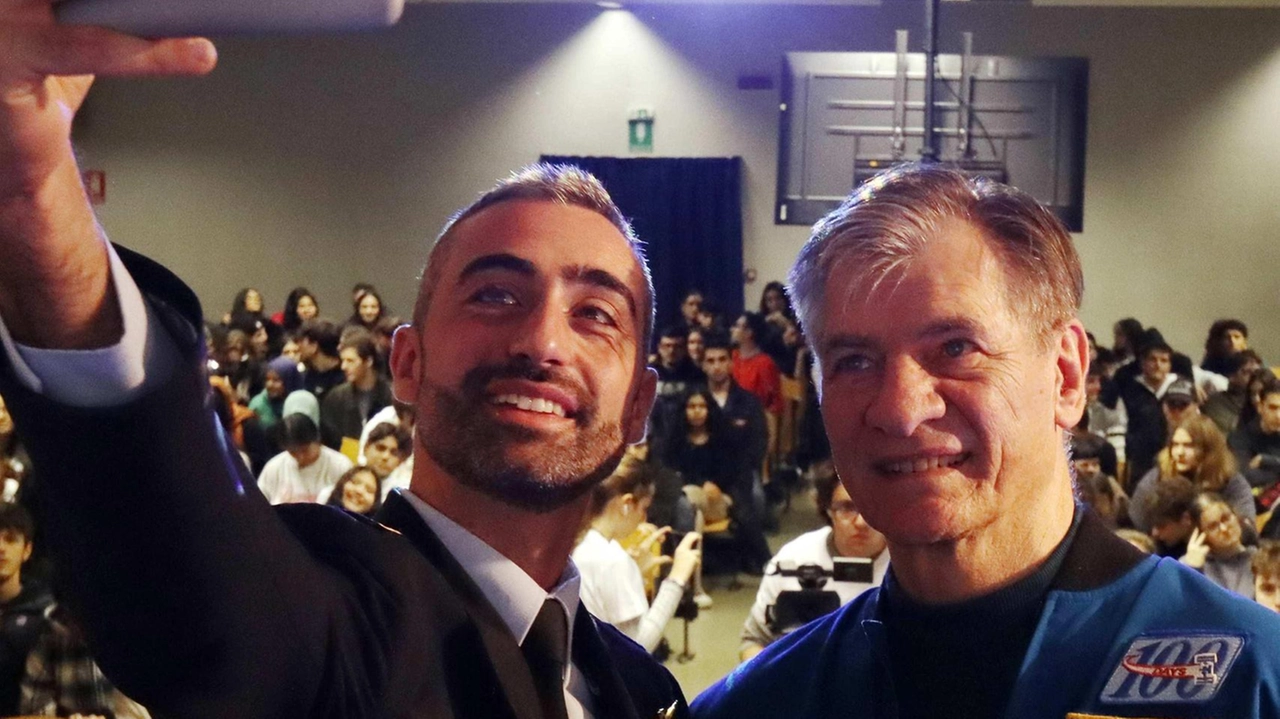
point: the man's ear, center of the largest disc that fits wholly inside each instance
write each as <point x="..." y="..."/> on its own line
<point x="27" y="549"/>
<point x="636" y="420"/>
<point x="1072" y="349"/>
<point x="406" y="364"/>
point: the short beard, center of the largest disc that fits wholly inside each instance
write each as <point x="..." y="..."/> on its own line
<point x="460" y="436"/>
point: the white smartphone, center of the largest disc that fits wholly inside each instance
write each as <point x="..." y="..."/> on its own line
<point x="182" y="18"/>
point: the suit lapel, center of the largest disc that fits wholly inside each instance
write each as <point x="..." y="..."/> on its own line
<point x="592" y="658"/>
<point x="502" y="649"/>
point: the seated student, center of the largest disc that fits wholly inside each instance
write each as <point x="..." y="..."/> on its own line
<point x="1224" y="408"/>
<point x="62" y="679"/>
<point x="612" y="579"/>
<point x="753" y="369"/>
<point x="280" y="378"/>
<point x="1140" y="390"/>
<point x="746" y="426"/>
<point x="304" y="468"/>
<point x="22" y="603"/>
<point x="1169" y="508"/>
<point x="708" y="318"/>
<point x="1214" y="547"/>
<point x="1179" y="403"/>
<point x="695" y="345"/>
<point x="698" y="444"/>
<point x="318" y="348"/>
<point x="847" y="534"/>
<point x="1256" y="443"/>
<point x="301" y="305"/>
<point x="290" y="348"/>
<point x="1197" y="451"/>
<point x="387" y="448"/>
<point x="1098" y="490"/>
<point x="367" y="310"/>
<point x="345" y="409"/>
<point x="779" y="316"/>
<point x="1227" y="338"/>
<point x="398" y="414"/>
<point x="304" y="403"/>
<point x="1249" y="413"/>
<point x="675" y="370"/>
<point x="358" y="491"/>
<point x="676" y="376"/>
<point x="242" y="370"/>
<point x="689" y="308"/>
<point x="1266" y="574"/>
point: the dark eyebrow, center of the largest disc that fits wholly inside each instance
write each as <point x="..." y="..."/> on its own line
<point x="604" y="280"/>
<point x="500" y="261"/>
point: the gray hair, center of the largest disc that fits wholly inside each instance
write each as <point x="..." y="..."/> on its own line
<point x="564" y="184"/>
<point x="892" y="218"/>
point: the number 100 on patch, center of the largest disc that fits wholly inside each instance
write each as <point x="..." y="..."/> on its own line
<point x="1174" y="668"/>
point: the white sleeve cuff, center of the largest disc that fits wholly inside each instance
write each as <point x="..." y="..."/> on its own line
<point x="142" y="359"/>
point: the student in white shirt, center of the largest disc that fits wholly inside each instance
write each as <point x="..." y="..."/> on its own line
<point x="305" y="468"/>
<point x="612" y="577"/>
<point x="847" y="534"/>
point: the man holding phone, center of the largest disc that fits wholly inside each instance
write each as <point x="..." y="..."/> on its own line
<point x="525" y="361"/>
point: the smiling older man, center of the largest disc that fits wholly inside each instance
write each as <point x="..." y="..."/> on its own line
<point x="943" y="310"/>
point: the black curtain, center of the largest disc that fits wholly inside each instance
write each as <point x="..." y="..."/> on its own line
<point x="688" y="212"/>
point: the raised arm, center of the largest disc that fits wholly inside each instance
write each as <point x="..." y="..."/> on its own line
<point x="55" y="289"/>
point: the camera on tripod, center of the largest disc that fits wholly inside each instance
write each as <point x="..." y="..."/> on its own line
<point x="797" y="607"/>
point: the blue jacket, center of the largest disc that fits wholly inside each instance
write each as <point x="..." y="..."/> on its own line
<point x="1119" y="636"/>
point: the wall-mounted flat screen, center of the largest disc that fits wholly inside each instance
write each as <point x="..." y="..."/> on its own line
<point x="846" y="116"/>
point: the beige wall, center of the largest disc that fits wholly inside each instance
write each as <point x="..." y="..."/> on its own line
<point x="323" y="161"/>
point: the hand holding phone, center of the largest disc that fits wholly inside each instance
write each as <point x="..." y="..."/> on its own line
<point x="184" y="18"/>
<point x="688" y="556"/>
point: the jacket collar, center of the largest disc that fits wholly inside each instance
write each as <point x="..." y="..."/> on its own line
<point x="503" y="651"/>
<point x="590" y="655"/>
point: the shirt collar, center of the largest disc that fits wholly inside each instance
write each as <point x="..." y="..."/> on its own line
<point x="1169" y="379"/>
<point x="515" y="596"/>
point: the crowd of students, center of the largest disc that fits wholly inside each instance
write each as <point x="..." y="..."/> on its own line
<point x="1181" y="458"/>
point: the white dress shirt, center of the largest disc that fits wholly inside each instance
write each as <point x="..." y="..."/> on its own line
<point x="513" y="594"/>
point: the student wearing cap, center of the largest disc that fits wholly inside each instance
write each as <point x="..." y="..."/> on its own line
<point x="1179" y="402"/>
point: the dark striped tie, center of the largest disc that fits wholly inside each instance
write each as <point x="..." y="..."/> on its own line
<point x="546" y="650"/>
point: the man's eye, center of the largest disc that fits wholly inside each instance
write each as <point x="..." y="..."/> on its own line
<point x="955" y="349"/>
<point x="596" y="314"/>
<point x="493" y="296"/>
<point x="852" y="363"/>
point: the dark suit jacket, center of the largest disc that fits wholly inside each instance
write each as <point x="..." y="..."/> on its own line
<point x="201" y="600"/>
<point x="340" y="412"/>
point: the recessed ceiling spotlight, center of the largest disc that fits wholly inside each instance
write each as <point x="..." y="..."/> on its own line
<point x="609" y="5"/>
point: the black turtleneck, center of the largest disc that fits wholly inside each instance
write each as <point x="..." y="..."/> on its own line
<point x="962" y="660"/>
